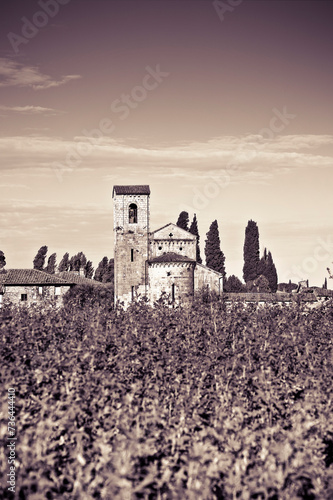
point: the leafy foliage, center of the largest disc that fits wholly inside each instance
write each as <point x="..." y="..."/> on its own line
<point x="206" y="402"/>
<point x="260" y="284"/>
<point x="77" y="262"/>
<point x="267" y="268"/>
<point x="183" y="220"/>
<point x="251" y="252"/>
<point x="214" y="256"/>
<point x="88" y="270"/>
<point x="234" y="284"/>
<point x="105" y="271"/>
<point x="194" y="230"/>
<point x="2" y="260"/>
<point x="39" y="260"/>
<point x="64" y="263"/>
<point x="287" y="287"/>
<point x="51" y="264"/>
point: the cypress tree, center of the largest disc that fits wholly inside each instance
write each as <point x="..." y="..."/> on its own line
<point x="271" y="273"/>
<point x="214" y="256"/>
<point x="39" y="260"/>
<point x="194" y="230"/>
<point x="108" y="276"/>
<point x="101" y="269"/>
<point x="2" y="260"/>
<point x="183" y="220"/>
<point x="251" y="252"/>
<point x="266" y="267"/>
<point x="64" y="263"/>
<point x="51" y="263"/>
<point x="77" y="261"/>
<point x="88" y="270"/>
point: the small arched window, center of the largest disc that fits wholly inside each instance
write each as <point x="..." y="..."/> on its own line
<point x="133" y="214"/>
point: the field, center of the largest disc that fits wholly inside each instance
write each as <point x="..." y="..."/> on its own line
<point x="194" y="403"/>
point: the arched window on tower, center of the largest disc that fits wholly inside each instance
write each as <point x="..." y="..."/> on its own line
<point x="133" y="214"/>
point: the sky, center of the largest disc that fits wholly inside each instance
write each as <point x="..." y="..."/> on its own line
<point x="223" y="107"/>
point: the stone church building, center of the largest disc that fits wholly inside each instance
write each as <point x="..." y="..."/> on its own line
<point x="156" y="263"/>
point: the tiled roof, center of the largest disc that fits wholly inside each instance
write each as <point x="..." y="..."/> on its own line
<point x="171" y="257"/>
<point x="31" y="277"/>
<point x="144" y="189"/>
<point x="258" y="297"/>
<point x="78" y="280"/>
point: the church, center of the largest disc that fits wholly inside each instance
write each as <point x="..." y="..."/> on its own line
<point x="154" y="264"/>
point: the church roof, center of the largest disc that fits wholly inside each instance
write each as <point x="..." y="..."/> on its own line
<point x="171" y="257"/>
<point x="173" y="231"/>
<point x="144" y="189"/>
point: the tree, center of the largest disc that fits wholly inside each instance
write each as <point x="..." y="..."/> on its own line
<point x="214" y="256"/>
<point x="325" y="284"/>
<point x="234" y="284"/>
<point x="64" y="263"/>
<point x="251" y="252"/>
<point x="77" y="262"/>
<point x="108" y="276"/>
<point x="89" y="270"/>
<point x="271" y="274"/>
<point x="262" y="265"/>
<point x="101" y="269"/>
<point x="286" y="287"/>
<point x="183" y="220"/>
<point x="105" y="271"/>
<point x="267" y="268"/>
<point x="39" y="260"/>
<point x="51" y="264"/>
<point x="2" y="260"/>
<point x="259" y="284"/>
<point x="194" y="230"/>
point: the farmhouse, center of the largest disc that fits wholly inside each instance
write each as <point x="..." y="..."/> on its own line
<point x="158" y="263"/>
<point x="29" y="286"/>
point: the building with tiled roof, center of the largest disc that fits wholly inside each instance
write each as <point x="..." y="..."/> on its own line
<point x="13" y="277"/>
<point x="158" y="263"/>
<point x="30" y="286"/>
<point x="75" y="278"/>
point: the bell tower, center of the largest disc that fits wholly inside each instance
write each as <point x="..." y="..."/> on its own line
<point x="131" y="230"/>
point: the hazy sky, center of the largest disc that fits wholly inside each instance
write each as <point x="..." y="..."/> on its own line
<point x="224" y="108"/>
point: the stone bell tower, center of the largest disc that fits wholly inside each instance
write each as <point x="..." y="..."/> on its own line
<point x="131" y="230"/>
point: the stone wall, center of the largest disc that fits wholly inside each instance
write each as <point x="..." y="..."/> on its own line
<point x="131" y="246"/>
<point x="205" y="277"/>
<point x="184" y="247"/>
<point x="35" y="294"/>
<point x="162" y="275"/>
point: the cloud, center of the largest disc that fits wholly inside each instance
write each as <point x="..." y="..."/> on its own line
<point x="14" y="186"/>
<point x="31" y="110"/>
<point x="14" y="74"/>
<point x="234" y="157"/>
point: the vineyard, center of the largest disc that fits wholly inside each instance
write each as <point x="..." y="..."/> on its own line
<point x="203" y="402"/>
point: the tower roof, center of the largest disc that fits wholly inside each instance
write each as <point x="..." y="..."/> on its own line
<point x="144" y="189"/>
